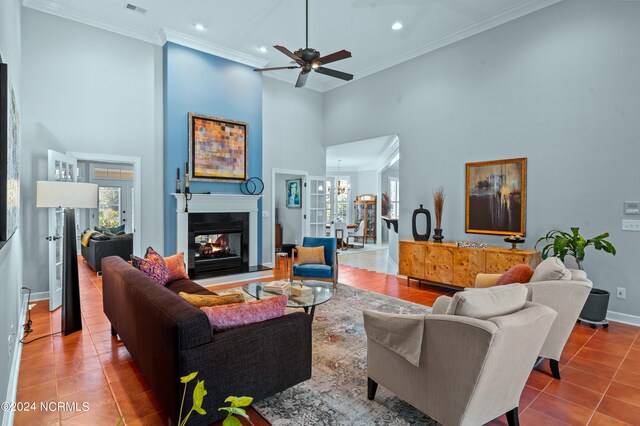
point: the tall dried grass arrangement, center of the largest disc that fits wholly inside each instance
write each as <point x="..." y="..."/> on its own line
<point x="438" y="204"/>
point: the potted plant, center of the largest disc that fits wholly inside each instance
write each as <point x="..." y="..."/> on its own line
<point x="562" y="244"/>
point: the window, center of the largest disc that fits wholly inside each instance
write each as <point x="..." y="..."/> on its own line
<point x="342" y="199"/>
<point x="328" y="199"/>
<point x="109" y="206"/>
<point x="394" y="197"/>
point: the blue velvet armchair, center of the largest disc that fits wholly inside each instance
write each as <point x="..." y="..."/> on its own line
<point x="327" y="272"/>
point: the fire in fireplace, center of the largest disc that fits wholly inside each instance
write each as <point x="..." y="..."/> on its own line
<point x="213" y="246"/>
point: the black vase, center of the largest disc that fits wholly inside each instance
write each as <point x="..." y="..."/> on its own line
<point x="595" y="308"/>
<point x="417" y="236"/>
<point x="437" y="235"/>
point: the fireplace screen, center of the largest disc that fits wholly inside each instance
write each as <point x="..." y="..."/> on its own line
<point x="217" y="246"/>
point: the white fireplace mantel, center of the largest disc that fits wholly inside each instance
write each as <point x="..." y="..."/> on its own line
<point x="217" y="203"/>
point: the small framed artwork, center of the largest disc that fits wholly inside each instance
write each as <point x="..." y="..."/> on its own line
<point x="496" y="197"/>
<point x="294" y="193"/>
<point x="218" y="149"/>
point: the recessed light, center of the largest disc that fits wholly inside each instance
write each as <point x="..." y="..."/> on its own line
<point x="199" y="27"/>
<point x="397" y="26"/>
<point x="262" y="49"/>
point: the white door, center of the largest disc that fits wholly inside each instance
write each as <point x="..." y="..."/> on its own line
<point x="61" y="168"/>
<point x="318" y="203"/>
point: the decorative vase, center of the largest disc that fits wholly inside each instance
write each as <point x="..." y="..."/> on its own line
<point x="417" y="236"/>
<point x="596" y="306"/>
<point x="437" y="235"/>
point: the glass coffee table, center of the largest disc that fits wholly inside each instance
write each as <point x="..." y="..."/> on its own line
<point x="321" y="292"/>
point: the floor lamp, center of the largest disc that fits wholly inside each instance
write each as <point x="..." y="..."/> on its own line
<point x="70" y="196"/>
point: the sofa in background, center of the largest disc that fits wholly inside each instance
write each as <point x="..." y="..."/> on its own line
<point x="169" y="338"/>
<point x="117" y="245"/>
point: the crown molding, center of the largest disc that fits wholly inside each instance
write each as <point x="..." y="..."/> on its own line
<point x="127" y="30"/>
<point x="167" y="34"/>
<point x="507" y="15"/>
<point x="154" y="37"/>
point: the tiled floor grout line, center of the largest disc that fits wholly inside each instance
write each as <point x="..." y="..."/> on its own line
<point x="612" y="378"/>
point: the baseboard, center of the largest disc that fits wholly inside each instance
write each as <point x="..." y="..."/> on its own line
<point x="7" y="418"/>
<point x="624" y="318"/>
<point x="42" y="295"/>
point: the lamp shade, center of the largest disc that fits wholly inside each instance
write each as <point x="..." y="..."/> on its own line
<point x="75" y="195"/>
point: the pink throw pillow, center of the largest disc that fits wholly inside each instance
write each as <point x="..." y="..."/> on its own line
<point x="224" y="317"/>
<point x="516" y="274"/>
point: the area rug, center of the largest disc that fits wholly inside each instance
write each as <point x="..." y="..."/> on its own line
<point x="336" y="394"/>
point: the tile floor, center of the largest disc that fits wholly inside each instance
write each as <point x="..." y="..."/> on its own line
<point x="600" y="368"/>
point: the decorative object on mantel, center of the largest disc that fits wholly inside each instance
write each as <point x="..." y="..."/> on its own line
<point x="178" y="189"/>
<point x="573" y="244"/>
<point x="471" y="244"/>
<point x="294" y="193"/>
<point x="252" y="186"/>
<point x="417" y="236"/>
<point x="514" y="240"/>
<point x="218" y="148"/>
<point x="438" y="204"/>
<point x="187" y="190"/>
<point x="496" y="197"/>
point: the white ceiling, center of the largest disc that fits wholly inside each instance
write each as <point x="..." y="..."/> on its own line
<point x="369" y="154"/>
<point x="235" y="29"/>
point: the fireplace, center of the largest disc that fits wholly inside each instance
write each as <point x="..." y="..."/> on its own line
<point x="217" y="242"/>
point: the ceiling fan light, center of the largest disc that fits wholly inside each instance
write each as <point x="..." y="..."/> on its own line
<point x="315" y="65"/>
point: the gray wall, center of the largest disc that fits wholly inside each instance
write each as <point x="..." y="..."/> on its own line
<point x="88" y="90"/>
<point x="559" y="86"/>
<point x="11" y="252"/>
<point x="291" y="139"/>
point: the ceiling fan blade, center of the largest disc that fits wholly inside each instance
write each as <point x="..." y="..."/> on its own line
<point x="289" y="53"/>
<point x="333" y="73"/>
<point x="302" y="79"/>
<point x="290" y="67"/>
<point x="337" y="56"/>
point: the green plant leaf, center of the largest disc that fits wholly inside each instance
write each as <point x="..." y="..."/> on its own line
<point x="235" y="410"/>
<point x="231" y="421"/>
<point x="190" y="377"/>
<point x="242" y="401"/>
<point x="199" y="393"/>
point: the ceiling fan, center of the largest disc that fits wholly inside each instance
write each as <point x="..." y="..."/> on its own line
<point x="309" y="59"/>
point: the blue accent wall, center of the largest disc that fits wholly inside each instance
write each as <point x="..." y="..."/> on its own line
<point x="205" y="84"/>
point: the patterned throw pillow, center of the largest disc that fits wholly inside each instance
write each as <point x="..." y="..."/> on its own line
<point x="236" y="314"/>
<point x="175" y="264"/>
<point x="153" y="265"/>
<point x="520" y="273"/>
<point x="202" y="300"/>
<point x="310" y="255"/>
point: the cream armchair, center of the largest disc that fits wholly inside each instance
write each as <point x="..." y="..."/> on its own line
<point x="565" y="296"/>
<point x="457" y="369"/>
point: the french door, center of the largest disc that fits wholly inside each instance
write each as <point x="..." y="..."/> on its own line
<point x="61" y="168"/>
<point x="317" y="197"/>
